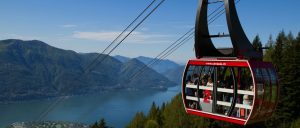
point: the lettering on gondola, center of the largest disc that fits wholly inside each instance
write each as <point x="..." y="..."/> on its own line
<point x="216" y="63"/>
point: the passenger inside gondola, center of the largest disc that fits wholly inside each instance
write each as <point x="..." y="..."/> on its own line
<point x="207" y="93"/>
<point x="205" y="78"/>
<point x="228" y="82"/>
<point x="189" y="91"/>
<point x="207" y="96"/>
<point x="200" y="82"/>
<point x="189" y="80"/>
<point x="194" y="105"/>
<point x="196" y="79"/>
<point x="203" y="82"/>
<point x="210" y="82"/>
<point x="247" y="99"/>
<point x="206" y="104"/>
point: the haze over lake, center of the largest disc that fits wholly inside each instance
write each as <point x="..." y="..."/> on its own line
<point x="118" y="107"/>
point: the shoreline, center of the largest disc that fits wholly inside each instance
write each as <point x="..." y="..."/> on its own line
<point x="90" y="93"/>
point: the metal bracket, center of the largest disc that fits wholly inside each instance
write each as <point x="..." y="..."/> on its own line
<point x="242" y="48"/>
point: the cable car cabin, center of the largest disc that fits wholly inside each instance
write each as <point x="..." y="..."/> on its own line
<point x="230" y="89"/>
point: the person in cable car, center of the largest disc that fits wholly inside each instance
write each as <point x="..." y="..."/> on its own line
<point x="189" y="80"/>
<point x="196" y="79"/>
<point x="210" y="83"/>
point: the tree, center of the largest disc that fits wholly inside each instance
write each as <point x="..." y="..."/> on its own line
<point x="286" y="57"/>
<point x="290" y="40"/>
<point x="288" y="80"/>
<point x="95" y="125"/>
<point x="257" y="44"/>
<point x="163" y="106"/>
<point x="175" y="115"/>
<point x="151" y="124"/>
<point x="159" y="117"/>
<point x="100" y="124"/>
<point x="291" y="80"/>
<point x="153" y="112"/>
<point x="277" y="54"/>
<point x="298" y="38"/>
<point x="138" y="121"/>
<point x="270" y="49"/>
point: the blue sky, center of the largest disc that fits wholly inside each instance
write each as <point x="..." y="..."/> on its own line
<point x="90" y="25"/>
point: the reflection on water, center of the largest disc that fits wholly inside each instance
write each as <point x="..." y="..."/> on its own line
<point x="118" y="107"/>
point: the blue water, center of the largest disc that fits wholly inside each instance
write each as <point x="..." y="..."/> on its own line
<point x="118" y="107"/>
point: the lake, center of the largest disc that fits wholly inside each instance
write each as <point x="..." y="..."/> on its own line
<point x="118" y="107"/>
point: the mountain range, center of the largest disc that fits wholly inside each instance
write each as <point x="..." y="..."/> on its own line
<point x="33" y="70"/>
<point x="161" y="66"/>
<point x="168" y="68"/>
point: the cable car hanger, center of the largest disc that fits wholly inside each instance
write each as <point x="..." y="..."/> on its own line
<point x="242" y="48"/>
<point x="233" y="85"/>
<point x="213" y="2"/>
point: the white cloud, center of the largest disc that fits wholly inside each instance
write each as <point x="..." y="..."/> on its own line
<point x="144" y="29"/>
<point x="68" y="26"/>
<point x="17" y="36"/>
<point x="135" y="37"/>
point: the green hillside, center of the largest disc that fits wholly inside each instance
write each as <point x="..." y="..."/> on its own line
<point x="33" y="70"/>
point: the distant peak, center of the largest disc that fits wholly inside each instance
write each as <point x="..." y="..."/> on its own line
<point x="122" y="59"/>
<point x="134" y="60"/>
<point x="18" y="41"/>
<point x="144" y="57"/>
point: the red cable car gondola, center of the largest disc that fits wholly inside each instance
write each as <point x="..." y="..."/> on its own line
<point x="230" y="89"/>
<point x="234" y="86"/>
